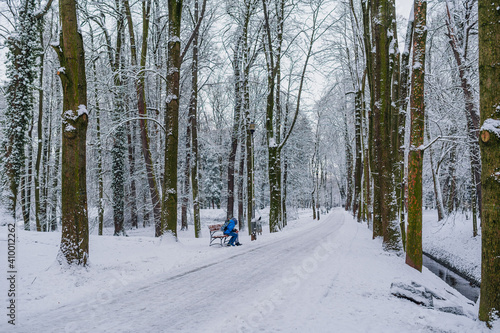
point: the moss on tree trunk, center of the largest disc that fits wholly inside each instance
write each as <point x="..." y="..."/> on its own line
<point x="415" y="158"/>
<point x="489" y="81"/>
<point x="169" y="204"/>
<point x="75" y="233"/>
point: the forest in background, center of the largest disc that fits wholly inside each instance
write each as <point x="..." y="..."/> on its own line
<point x="136" y="113"/>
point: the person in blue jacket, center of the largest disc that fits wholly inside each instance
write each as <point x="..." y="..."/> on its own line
<point x="233" y="232"/>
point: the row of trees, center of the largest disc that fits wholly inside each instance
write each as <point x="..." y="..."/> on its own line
<point x="389" y="87"/>
<point x="126" y="130"/>
<point x="132" y="144"/>
<point x="432" y="89"/>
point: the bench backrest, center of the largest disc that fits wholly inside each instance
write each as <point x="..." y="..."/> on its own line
<point x="215" y="227"/>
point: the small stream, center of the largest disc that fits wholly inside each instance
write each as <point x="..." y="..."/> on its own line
<point x="466" y="288"/>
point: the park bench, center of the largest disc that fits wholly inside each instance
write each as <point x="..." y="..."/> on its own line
<point x="216" y="234"/>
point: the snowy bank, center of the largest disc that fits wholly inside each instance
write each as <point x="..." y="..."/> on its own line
<point x="450" y="242"/>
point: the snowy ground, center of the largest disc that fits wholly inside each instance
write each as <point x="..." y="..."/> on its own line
<point x="451" y="241"/>
<point x="326" y="276"/>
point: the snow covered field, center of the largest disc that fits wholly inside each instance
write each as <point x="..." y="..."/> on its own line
<point x="316" y="276"/>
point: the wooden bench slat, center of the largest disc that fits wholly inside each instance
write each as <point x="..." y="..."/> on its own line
<point x="214" y="229"/>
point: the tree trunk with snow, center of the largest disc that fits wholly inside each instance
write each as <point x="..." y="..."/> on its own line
<point x="74" y="247"/>
<point x="132" y="199"/>
<point x="385" y="223"/>
<point x="185" y="181"/>
<point x="274" y="164"/>
<point x="247" y="63"/>
<point x="119" y="110"/>
<point x="402" y="103"/>
<point x="416" y="155"/>
<point x="100" y="178"/>
<point x="235" y="131"/>
<point x="142" y="109"/>
<point x="169" y="206"/>
<point x="348" y="171"/>
<point x="489" y="81"/>
<point x="193" y="119"/>
<point x="23" y="50"/>
<point x="435" y="175"/>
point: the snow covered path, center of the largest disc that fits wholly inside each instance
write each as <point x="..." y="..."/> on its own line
<point x="326" y="276"/>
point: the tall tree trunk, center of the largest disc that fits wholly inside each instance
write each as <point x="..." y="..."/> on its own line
<point x="368" y="167"/>
<point x="402" y="104"/>
<point x="235" y="131"/>
<point x="241" y="171"/>
<point x="56" y="170"/>
<point x="385" y="223"/>
<point x="451" y="181"/>
<point x="100" y="172"/>
<point x="185" y="182"/>
<point x="193" y="119"/>
<point x="75" y="232"/>
<point x="250" y="6"/>
<point x="366" y="159"/>
<point x="118" y="150"/>
<point x="489" y="81"/>
<point x="55" y="177"/>
<point x="132" y="200"/>
<point x="169" y="205"/>
<point x="435" y="175"/>
<point x="274" y="164"/>
<point x="21" y="58"/>
<point x="416" y="155"/>
<point x="141" y="106"/>
<point x="358" y="164"/>
<point x="39" y="139"/>
<point x="46" y="168"/>
<point x="248" y="138"/>
<point x="358" y="110"/>
<point x="26" y="180"/>
<point x="348" y="158"/>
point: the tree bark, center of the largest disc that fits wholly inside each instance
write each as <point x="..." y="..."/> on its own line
<point x="402" y="104"/>
<point x="193" y="119"/>
<point x="435" y="176"/>
<point x="348" y="158"/>
<point x="185" y="182"/>
<point x="74" y="247"/>
<point x="118" y="150"/>
<point x="385" y="223"/>
<point x="132" y="200"/>
<point x="249" y="6"/>
<point x="241" y="171"/>
<point x="169" y="205"/>
<point x="100" y="180"/>
<point x="21" y="60"/>
<point x="234" y="133"/>
<point x="141" y="106"/>
<point x="489" y="81"/>
<point x="416" y="155"/>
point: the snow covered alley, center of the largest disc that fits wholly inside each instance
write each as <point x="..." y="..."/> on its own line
<point x="316" y="276"/>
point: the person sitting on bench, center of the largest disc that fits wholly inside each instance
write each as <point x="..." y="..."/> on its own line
<point x="233" y="232"/>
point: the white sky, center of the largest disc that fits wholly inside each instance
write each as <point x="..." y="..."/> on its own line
<point x="403" y="7"/>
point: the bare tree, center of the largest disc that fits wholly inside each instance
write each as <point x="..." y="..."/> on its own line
<point x="75" y="231"/>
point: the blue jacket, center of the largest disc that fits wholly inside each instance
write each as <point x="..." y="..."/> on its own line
<point x="230" y="226"/>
